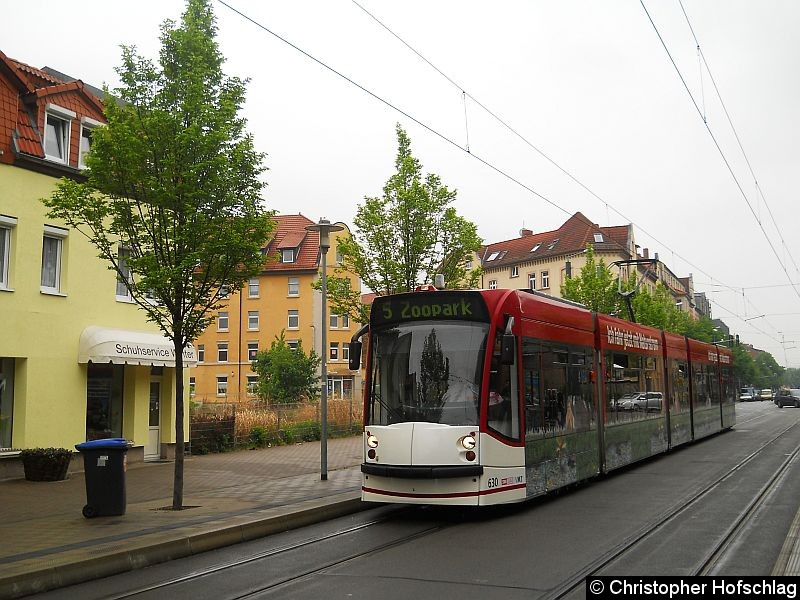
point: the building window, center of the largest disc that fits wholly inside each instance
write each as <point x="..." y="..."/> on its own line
<point x="531" y="281"/>
<point x="52" y="251"/>
<point x="6" y="225"/>
<point x="252" y="320"/>
<point x="6" y="401"/>
<point x="192" y="387"/>
<point x="493" y="284"/>
<point x="545" y="280"/>
<point x="515" y="271"/>
<point x="222" y="385"/>
<point x="201" y="352"/>
<point x="253" y="288"/>
<point x="334" y="352"/>
<point x="338" y="256"/>
<point x="124" y="276"/>
<point x="346" y="352"/>
<point x="536" y="247"/>
<point x="294" y="286"/>
<point x="293" y="344"/>
<point x="287" y="255"/>
<point x="252" y="385"/>
<point x="468" y="264"/>
<point x="294" y="319"/>
<point x="57" y="133"/>
<point x="224" y="292"/>
<point x="552" y="245"/>
<point x="493" y="256"/>
<point x="345" y="321"/>
<point x="334" y="321"/>
<point x="252" y="350"/>
<point x="104" y="385"/>
<point x="598" y="237"/>
<point x="222" y="321"/>
<point x="222" y="352"/>
<point x="85" y="143"/>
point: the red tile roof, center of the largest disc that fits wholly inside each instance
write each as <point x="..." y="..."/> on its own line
<point x="570" y="238"/>
<point x="291" y="233"/>
<point x="25" y="92"/>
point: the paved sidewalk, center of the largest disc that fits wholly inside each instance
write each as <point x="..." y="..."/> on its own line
<point x="46" y="542"/>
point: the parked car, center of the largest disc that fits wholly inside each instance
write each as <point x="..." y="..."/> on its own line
<point x="747" y="394"/>
<point x="788" y="398"/>
<point x="649" y="401"/>
<point x="765" y="395"/>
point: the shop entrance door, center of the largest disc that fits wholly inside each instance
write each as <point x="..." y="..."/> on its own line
<point x="152" y="450"/>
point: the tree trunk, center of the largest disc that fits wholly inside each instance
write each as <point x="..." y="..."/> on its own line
<point x="177" y="487"/>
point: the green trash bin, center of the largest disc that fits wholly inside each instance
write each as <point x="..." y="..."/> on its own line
<point x="104" y="464"/>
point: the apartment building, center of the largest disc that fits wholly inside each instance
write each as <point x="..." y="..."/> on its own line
<point x="280" y="299"/>
<point x="78" y="360"/>
<point x="542" y="261"/>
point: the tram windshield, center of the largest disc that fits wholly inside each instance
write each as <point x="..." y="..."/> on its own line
<point x="427" y="371"/>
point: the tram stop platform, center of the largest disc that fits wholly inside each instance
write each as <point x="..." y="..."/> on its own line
<point x="236" y="496"/>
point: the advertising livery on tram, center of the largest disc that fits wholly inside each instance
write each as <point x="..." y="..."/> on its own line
<point x="494" y="396"/>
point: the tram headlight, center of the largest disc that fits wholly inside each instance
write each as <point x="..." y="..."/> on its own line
<point x="468" y="442"/>
<point x="372" y="441"/>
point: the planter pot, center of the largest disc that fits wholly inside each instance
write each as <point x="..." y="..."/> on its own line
<point x="45" y="468"/>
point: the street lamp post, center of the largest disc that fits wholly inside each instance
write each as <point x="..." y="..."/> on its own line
<point x="324" y="228"/>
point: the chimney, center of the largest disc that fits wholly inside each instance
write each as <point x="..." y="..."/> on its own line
<point x="646" y="252"/>
<point x="525" y="232"/>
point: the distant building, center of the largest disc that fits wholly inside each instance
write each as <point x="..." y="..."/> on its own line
<point x="542" y="261"/>
<point x="279" y="299"/>
<point x="78" y="360"/>
<point x="702" y="305"/>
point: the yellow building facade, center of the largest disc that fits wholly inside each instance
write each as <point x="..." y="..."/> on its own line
<point x="280" y="300"/>
<point x="77" y="361"/>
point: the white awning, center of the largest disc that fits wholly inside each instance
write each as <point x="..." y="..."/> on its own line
<point x="120" y="346"/>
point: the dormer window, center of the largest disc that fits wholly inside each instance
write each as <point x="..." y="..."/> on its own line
<point x="288" y="255"/>
<point x="87" y="126"/>
<point x="552" y="244"/>
<point x="493" y="256"/>
<point x="598" y="237"/>
<point x="536" y="247"/>
<point x="57" y="127"/>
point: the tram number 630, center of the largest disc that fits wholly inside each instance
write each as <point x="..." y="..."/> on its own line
<point x="493" y="482"/>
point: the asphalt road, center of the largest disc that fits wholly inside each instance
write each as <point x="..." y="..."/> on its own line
<point x="525" y="551"/>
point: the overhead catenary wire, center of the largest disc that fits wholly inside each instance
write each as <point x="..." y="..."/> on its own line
<point x="701" y="55"/>
<point x="514" y="131"/>
<point x="453" y="143"/>
<point x="396" y="108"/>
<point x="718" y="147"/>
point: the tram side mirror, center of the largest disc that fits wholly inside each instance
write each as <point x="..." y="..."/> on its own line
<point x="355" y="356"/>
<point x="508" y="349"/>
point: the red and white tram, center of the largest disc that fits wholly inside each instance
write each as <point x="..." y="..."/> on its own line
<point x="494" y="396"/>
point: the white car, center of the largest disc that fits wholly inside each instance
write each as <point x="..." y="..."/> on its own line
<point x="765" y="395"/>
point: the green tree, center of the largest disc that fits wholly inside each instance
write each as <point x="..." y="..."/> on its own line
<point x="172" y="196"/>
<point x="791" y="377"/>
<point x="286" y="375"/>
<point x="405" y="237"/>
<point x="744" y="367"/>
<point x="771" y="373"/>
<point x="595" y="287"/>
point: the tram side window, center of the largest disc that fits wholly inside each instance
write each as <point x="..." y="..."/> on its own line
<point x="713" y="385"/>
<point x="558" y="389"/>
<point x="634" y="386"/>
<point x="503" y="409"/>
<point x="728" y="390"/>
<point x="702" y="387"/>
<point x="679" y="375"/>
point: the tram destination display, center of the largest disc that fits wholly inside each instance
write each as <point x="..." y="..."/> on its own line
<point x="429" y="306"/>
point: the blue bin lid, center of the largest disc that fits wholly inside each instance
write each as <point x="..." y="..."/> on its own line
<point x="114" y="443"/>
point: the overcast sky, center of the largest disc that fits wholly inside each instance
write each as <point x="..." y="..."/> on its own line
<point x="587" y="83"/>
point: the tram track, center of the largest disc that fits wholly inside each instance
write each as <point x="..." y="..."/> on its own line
<point x="577" y="579"/>
<point x="162" y="588"/>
